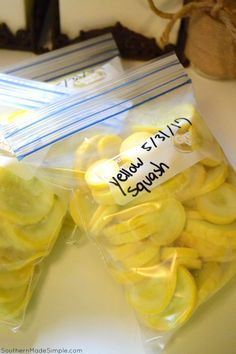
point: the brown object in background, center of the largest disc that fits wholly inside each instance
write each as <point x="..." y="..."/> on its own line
<point x="132" y="45"/>
<point x="42" y="21"/>
<point x="211" y="39"/>
<point x="22" y="40"/>
<point x="210" y="47"/>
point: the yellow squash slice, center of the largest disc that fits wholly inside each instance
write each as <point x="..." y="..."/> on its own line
<point x="231" y="178"/>
<point x="128" y="213"/>
<point x="98" y="174"/>
<point x="185" y="256"/>
<point x="219" y="205"/>
<point x="119" y="234"/>
<point x="134" y="254"/>
<point x="103" y="197"/>
<point x="168" y="228"/>
<point x="208" y="280"/>
<point x="180" y="307"/>
<point x="155" y="223"/>
<point x="133" y="141"/>
<point x="16" y="278"/>
<point x="87" y="153"/>
<point x="101" y="217"/>
<point x="193" y="214"/>
<point x="109" y="146"/>
<point x="42" y="235"/>
<point x="153" y="295"/>
<point x="210" y="162"/>
<point x="215" y="176"/>
<point x="23" y="201"/>
<point x="14" y="251"/>
<point x="10" y="295"/>
<point x="134" y="274"/>
<point x="195" y="177"/>
<point x="213" y="242"/>
<point x="150" y="129"/>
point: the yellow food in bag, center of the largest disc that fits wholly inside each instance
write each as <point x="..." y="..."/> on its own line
<point x="170" y="245"/>
<point x="31" y="216"/>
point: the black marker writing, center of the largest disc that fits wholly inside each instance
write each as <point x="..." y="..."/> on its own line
<point x="125" y="173"/>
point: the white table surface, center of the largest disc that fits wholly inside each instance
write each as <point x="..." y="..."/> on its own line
<point x="78" y="305"/>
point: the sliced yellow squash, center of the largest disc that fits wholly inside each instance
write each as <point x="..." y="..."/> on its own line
<point x="16" y="278"/>
<point x="150" y="129"/>
<point x="215" y="176"/>
<point x="213" y="242"/>
<point x="193" y="214"/>
<point x="87" y="153"/>
<point x="103" y="197"/>
<point x="42" y="235"/>
<point x="181" y="306"/>
<point x="14" y="251"/>
<point x="219" y="205"/>
<point x="126" y="214"/>
<point x="195" y="179"/>
<point x="23" y="201"/>
<point x="98" y="174"/>
<point x="155" y="223"/>
<point x="133" y="141"/>
<point x="12" y="294"/>
<point x="109" y="145"/>
<point x="153" y="295"/>
<point x="134" y="274"/>
<point x="231" y="178"/>
<point x="134" y="254"/>
<point x="119" y="234"/>
<point x="100" y="218"/>
<point x="208" y="280"/>
<point x="169" y="221"/>
<point x="210" y="162"/>
<point x="185" y="256"/>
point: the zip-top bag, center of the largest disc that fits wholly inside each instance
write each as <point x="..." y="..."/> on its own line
<point x="76" y="66"/>
<point x="82" y="66"/>
<point x="32" y="211"/>
<point x="153" y="189"/>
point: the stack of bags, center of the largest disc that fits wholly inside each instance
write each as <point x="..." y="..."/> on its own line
<point x="146" y="181"/>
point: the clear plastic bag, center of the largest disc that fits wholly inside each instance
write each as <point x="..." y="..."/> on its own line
<point x="153" y="189"/>
<point x="80" y="65"/>
<point x="31" y="211"/>
<point x="31" y="215"/>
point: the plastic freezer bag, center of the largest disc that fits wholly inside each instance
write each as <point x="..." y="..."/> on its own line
<point x="31" y="216"/>
<point x="79" y="66"/>
<point x="156" y="194"/>
<point x="31" y="211"/>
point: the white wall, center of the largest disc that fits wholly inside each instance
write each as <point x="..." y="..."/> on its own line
<point x="13" y="13"/>
<point x="135" y="14"/>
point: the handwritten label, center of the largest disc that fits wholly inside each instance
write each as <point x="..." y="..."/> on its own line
<point x="156" y="160"/>
<point x="83" y="79"/>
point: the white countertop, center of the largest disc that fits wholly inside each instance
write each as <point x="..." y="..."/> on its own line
<point x="79" y="306"/>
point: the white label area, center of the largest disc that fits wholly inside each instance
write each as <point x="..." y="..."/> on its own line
<point x="92" y="77"/>
<point x="161" y="157"/>
<point x="83" y="79"/>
